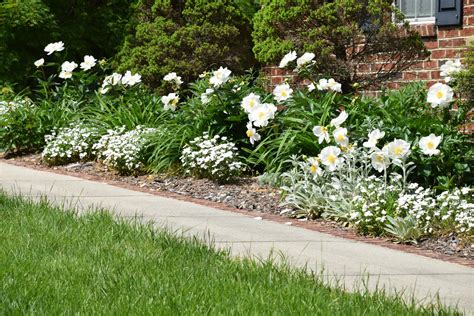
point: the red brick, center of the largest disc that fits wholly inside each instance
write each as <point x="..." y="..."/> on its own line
<point x="467" y="31"/>
<point x="431" y="64"/>
<point x="431" y="44"/>
<point x="454" y="32"/>
<point x="276" y="80"/>
<point x="437" y="54"/>
<point x="468" y="10"/>
<point x="435" y="75"/>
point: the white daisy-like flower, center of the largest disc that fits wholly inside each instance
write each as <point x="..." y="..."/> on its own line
<point x="379" y="160"/>
<point x="66" y="69"/>
<point x="39" y="62"/>
<point x="54" y="47"/>
<point x="340" y="136"/>
<point x="206" y="96"/>
<point x="130" y="80"/>
<point x="314" y="167"/>
<point x="440" y="94"/>
<point x="397" y="149"/>
<point x="334" y="85"/>
<point x="250" y="102"/>
<point x="322" y="133"/>
<point x="311" y="87"/>
<point x="291" y="56"/>
<point x="262" y="113"/>
<point x="174" y="78"/>
<point x="374" y="137"/>
<point x="88" y="63"/>
<point x="220" y="76"/>
<point x="429" y="144"/>
<point x="330" y="157"/>
<point x="170" y="101"/>
<point x="340" y="119"/>
<point x="252" y="133"/>
<point x="282" y="92"/>
<point x="305" y="59"/>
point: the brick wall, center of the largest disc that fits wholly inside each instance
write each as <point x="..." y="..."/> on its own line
<point x="445" y="43"/>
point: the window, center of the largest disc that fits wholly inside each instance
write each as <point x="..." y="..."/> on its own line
<point x="418" y="10"/>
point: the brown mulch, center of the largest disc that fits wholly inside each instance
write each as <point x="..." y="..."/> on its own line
<point x="249" y="197"/>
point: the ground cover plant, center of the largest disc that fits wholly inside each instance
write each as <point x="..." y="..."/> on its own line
<point x="55" y="262"/>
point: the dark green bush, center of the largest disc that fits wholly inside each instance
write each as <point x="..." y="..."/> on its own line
<point x="187" y="37"/>
<point x="86" y="27"/>
<point x="345" y="35"/>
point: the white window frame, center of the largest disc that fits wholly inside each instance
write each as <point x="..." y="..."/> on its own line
<point x="422" y="20"/>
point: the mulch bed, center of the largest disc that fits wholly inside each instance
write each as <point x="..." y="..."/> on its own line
<point x="248" y="197"/>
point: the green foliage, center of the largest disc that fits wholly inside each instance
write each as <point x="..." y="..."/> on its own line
<point x="24" y="125"/>
<point x="187" y="37"/>
<point x="86" y="27"/>
<point x="465" y="80"/>
<point x="344" y="35"/>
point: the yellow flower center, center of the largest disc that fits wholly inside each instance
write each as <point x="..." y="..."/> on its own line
<point x="439" y="94"/>
<point x="313" y="169"/>
<point x="249" y="133"/>
<point x="379" y="158"/>
<point x="398" y="150"/>
<point x="251" y="103"/>
<point x="332" y="159"/>
<point x="261" y="115"/>
<point x="283" y="93"/>
<point x="340" y="137"/>
<point x="430" y="145"/>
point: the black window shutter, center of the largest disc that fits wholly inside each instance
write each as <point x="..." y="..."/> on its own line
<point x="448" y="12"/>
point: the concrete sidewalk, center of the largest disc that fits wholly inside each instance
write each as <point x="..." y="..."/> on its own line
<point x="348" y="260"/>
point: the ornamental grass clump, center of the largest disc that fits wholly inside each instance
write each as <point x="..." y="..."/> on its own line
<point x="213" y="158"/>
<point x="70" y="144"/>
<point x="123" y="150"/>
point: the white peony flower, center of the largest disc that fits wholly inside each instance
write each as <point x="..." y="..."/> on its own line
<point x="54" y="47"/>
<point x="66" y="69"/>
<point x="440" y="94"/>
<point x="39" y="62"/>
<point x="282" y="92"/>
<point x="220" y="76"/>
<point x="322" y="133"/>
<point x="130" y="80"/>
<point x="287" y="59"/>
<point x="252" y="133"/>
<point x="314" y="167"/>
<point x="397" y="149"/>
<point x="429" y="144"/>
<point x="112" y="79"/>
<point x="88" y="63"/>
<point x="374" y="137"/>
<point x="206" y="96"/>
<point x="340" y="136"/>
<point x="322" y="84"/>
<point x="330" y="157"/>
<point x="250" y="102"/>
<point x="450" y="68"/>
<point x="170" y="101"/>
<point x="261" y="114"/>
<point x="305" y="59"/>
<point x="104" y="89"/>
<point x="173" y="77"/>
<point x="334" y="85"/>
<point x="311" y="87"/>
<point x="342" y="117"/>
<point x="379" y="160"/>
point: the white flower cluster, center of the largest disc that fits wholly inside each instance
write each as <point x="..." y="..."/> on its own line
<point x="305" y="60"/>
<point x="127" y="80"/>
<point x="122" y="150"/>
<point x="450" y="68"/>
<point x="7" y="106"/>
<point x="430" y="210"/>
<point x="214" y="158"/>
<point x="69" y="144"/>
<point x="259" y="114"/>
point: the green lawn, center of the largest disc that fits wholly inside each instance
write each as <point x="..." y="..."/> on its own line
<point x="53" y="262"/>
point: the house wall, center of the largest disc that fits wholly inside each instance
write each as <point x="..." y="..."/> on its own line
<point x="444" y="43"/>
